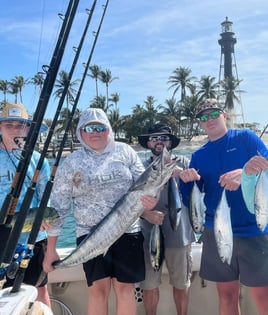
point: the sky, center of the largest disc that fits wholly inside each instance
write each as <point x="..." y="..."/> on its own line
<point x="141" y="43"/>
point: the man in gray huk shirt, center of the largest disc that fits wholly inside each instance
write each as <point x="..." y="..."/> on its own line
<point x="177" y="243"/>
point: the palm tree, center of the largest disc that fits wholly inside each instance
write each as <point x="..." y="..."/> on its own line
<point x="17" y="84"/>
<point x="116" y="121"/>
<point x="64" y="118"/>
<point x="208" y="88"/>
<point x="231" y="93"/>
<point x="106" y="78"/>
<point x="13" y="89"/>
<point x="95" y="74"/>
<point x="38" y="80"/>
<point x="171" y="114"/>
<point x="61" y="83"/>
<point x="100" y="102"/>
<point x="4" y="87"/>
<point x="229" y="88"/>
<point x="151" y="111"/>
<point x="181" y="79"/>
<point x="189" y="111"/>
<point x="115" y="97"/>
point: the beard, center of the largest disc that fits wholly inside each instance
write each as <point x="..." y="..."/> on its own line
<point x="158" y="148"/>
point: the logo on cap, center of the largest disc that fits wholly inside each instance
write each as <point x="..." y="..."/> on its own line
<point x="14" y="112"/>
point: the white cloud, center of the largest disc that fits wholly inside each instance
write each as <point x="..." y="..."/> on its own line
<point x="142" y="42"/>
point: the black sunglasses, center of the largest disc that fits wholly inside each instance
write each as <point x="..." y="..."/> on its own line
<point x="159" y="138"/>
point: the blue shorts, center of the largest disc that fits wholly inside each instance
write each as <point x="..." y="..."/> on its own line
<point x="123" y="261"/>
<point x="248" y="264"/>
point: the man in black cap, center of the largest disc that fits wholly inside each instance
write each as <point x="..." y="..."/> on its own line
<point x="177" y="243"/>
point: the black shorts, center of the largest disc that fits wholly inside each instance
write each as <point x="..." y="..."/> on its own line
<point x="35" y="267"/>
<point x="124" y="261"/>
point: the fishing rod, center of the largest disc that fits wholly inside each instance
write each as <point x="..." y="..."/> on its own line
<point x="13" y="240"/>
<point x="264" y="130"/>
<point x="49" y="185"/>
<point x="69" y="121"/>
<point x="10" y="202"/>
<point x="44" y="201"/>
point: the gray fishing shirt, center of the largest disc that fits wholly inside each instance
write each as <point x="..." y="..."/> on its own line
<point x="184" y="234"/>
<point x="90" y="182"/>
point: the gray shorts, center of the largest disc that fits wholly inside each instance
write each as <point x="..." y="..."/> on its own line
<point x="249" y="262"/>
<point x="179" y="265"/>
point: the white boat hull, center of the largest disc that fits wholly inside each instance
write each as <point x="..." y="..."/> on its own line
<point x="69" y="287"/>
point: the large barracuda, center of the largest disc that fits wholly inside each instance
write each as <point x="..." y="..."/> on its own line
<point x="125" y="212"/>
<point x="223" y="230"/>
<point x="261" y="201"/>
<point x="197" y="209"/>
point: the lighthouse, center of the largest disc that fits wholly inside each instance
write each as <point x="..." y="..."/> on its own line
<point x="228" y="68"/>
<point x="227" y="42"/>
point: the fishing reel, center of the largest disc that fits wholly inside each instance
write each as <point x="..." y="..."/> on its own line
<point x="23" y="253"/>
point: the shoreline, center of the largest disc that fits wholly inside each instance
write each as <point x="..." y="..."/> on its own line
<point x="184" y="144"/>
<point x="195" y="143"/>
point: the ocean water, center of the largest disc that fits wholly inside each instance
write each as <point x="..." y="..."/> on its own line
<point x="68" y="237"/>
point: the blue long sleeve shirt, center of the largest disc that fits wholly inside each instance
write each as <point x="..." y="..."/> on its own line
<point x="9" y="162"/>
<point x="216" y="158"/>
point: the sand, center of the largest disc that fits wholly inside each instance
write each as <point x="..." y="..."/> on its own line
<point x="195" y="143"/>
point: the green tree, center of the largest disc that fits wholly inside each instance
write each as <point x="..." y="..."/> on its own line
<point x="63" y="120"/>
<point x="115" y="121"/>
<point x="208" y="88"/>
<point x="115" y="97"/>
<point x="38" y="80"/>
<point x="17" y="84"/>
<point x="4" y="87"/>
<point x="100" y="102"/>
<point x="171" y="113"/>
<point x="181" y="79"/>
<point x="95" y="74"/>
<point x="151" y="111"/>
<point x="107" y="78"/>
<point x="230" y="91"/>
<point x="61" y="83"/>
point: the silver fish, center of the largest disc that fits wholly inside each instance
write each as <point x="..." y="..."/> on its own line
<point x="223" y="230"/>
<point x="197" y="209"/>
<point x="125" y="212"/>
<point x="156" y="247"/>
<point x="261" y="201"/>
<point x="174" y="203"/>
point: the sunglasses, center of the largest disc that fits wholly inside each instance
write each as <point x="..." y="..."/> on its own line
<point x="213" y="115"/>
<point x="159" y="138"/>
<point x="92" y="128"/>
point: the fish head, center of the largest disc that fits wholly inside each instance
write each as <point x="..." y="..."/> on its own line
<point x="161" y="169"/>
<point x="50" y="215"/>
